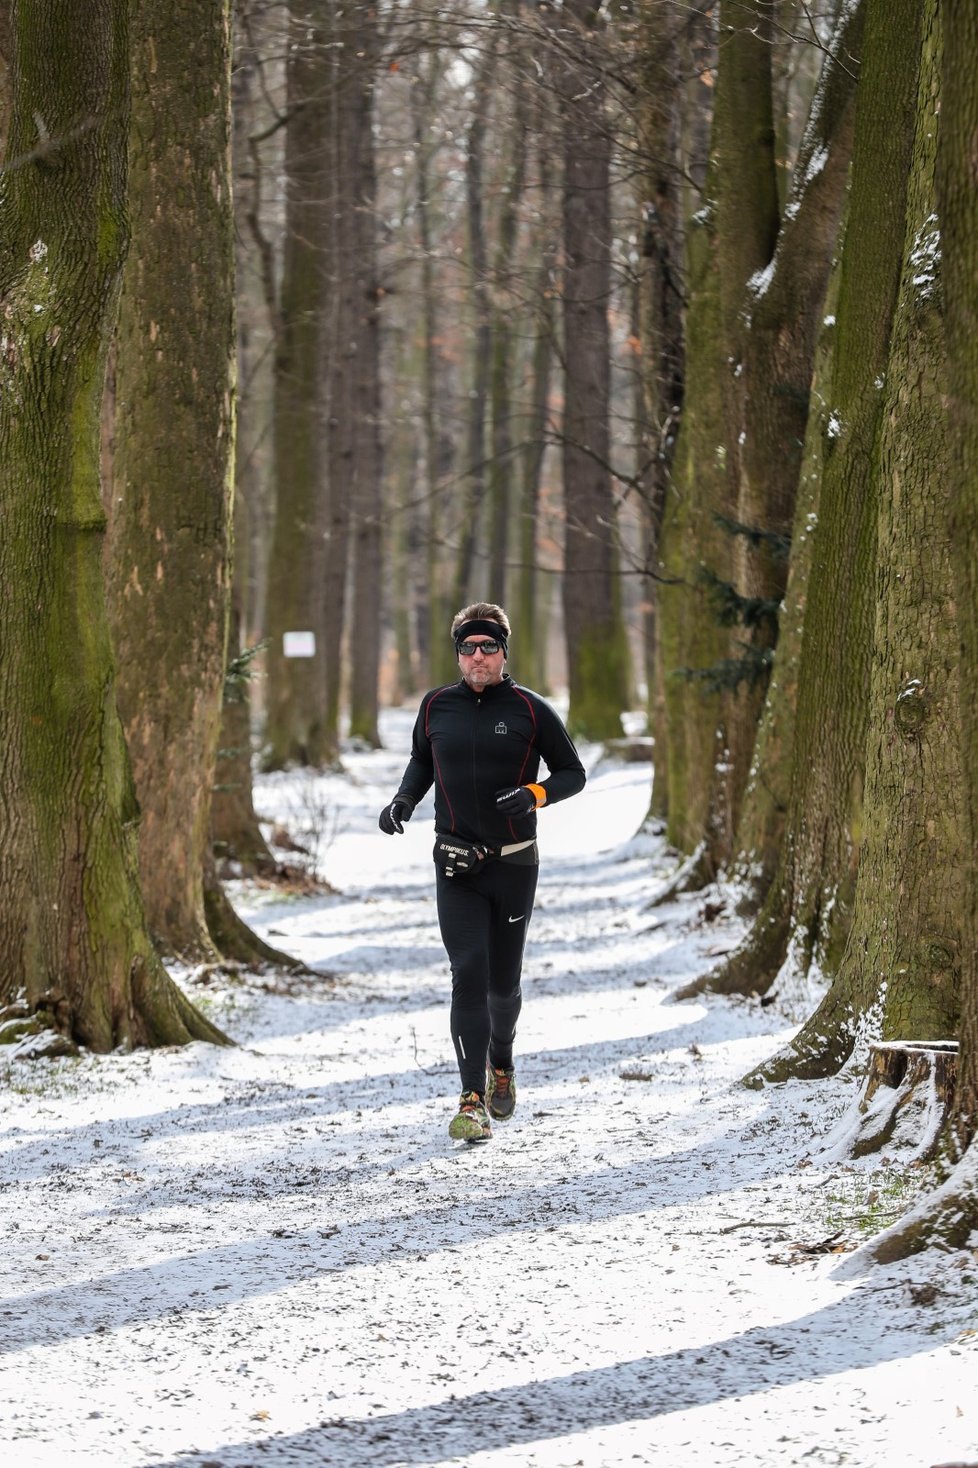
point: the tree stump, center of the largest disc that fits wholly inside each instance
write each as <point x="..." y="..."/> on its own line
<point x="908" y="1094"/>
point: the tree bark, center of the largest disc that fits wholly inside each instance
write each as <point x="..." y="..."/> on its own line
<point x="661" y="303"/>
<point x="367" y="478"/>
<point x="235" y="833"/>
<point x="296" y="722"/>
<point x="437" y="581"/>
<point x="597" y="654"/>
<point x="505" y="338"/>
<point x="473" y="491"/>
<point x="898" y="979"/>
<point x="948" y="1217"/>
<point x="73" y="936"/>
<point x="169" y="531"/>
<point x="528" y="602"/>
<point x="809" y="905"/>
<point x="958" y="214"/>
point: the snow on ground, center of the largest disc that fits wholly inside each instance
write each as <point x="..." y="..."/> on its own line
<point x="273" y="1254"/>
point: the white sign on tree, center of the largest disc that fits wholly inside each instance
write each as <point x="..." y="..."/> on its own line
<point x="299" y="644"/>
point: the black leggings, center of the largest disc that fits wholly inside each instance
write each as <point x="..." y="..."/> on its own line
<point x="483" y="919"/>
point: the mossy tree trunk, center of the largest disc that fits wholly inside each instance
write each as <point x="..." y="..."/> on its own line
<point x="809" y="904"/>
<point x="774" y="326"/>
<point x="5" y="34"/>
<point x="761" y="828"/>
<point x="949" y="1216"/>
<point x="746" y="410"/>
<point x="701" y="486"/>
<point x="747" y="218"/>
<point x="958" y="214"/>
<point x="899" y="977"/>
<point x="597" y="653"/>
<point x="72" y="930"/>
<point x="780" y="458"/>
<point x="296" y="723"/>
<point x="168" y="561"/>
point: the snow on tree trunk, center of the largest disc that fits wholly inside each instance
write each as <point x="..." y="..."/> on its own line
<point x="806" y="916"/>
<point x="900" y="972"/>
<point x="948" y="1217"/>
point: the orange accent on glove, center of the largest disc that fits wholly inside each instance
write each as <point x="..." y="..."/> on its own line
<point x="539" y="793"/>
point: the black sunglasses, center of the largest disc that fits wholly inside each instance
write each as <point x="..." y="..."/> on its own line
<point x="468" y="649"/>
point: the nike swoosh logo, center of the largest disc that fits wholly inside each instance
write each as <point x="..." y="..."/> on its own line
<point x="517" y="919"/>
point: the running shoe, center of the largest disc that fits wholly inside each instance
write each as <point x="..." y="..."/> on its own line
<point x="501" y="1091"/>
<point x="471" y="1122"/>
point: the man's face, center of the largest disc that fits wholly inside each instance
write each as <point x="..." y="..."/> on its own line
<point x="479" y="669"/>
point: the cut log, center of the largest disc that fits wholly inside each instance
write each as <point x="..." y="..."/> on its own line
<point x="907" y="1096"/>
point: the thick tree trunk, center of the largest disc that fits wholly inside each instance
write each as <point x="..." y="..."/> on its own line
<point x="958" y="214"/>
<point x="169" y="528"/>
<point x="597" y="654"/>
<point x="774" y="333"/>
<point x="72" y="930"/>
<point x="809" y="905"/>
<point x="948" y="1217"/>
<point x="899" y="977"/>
<point x="296" y="722"/>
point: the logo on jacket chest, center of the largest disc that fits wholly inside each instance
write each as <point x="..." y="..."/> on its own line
<point x="501" y="728"/>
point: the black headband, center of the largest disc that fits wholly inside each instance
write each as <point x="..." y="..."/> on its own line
<point x="480" y="624"/>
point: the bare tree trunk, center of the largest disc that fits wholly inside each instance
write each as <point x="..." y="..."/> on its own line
<point x="474" y="484"/>
<point x="898" y="979"/>
<point x="531" y="634"/>
<point x="597" y="653"/>
<point x="235" y="833"/>
<point x="810" y="901"/>
<point x="368" y="454"/>
<point x="169" y="542"/>
<point x="437" y="609"/>
<point x="660" y="325"/>
<point x="501" y="462"/>
<point x="784" y="308"/>
<point x="73" y="937"/>
<point x="296" y="724"/>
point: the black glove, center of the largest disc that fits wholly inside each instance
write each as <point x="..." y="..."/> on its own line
<point x="518" y="802"/>
<point x="394" y="815"/>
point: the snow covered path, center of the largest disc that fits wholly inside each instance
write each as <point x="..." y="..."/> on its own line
<point x="274" y="1255"/>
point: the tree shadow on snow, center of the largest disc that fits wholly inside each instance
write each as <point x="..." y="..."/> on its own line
<point x="646" y="1387"/>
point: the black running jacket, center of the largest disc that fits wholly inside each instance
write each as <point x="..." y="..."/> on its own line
<point x="470" y="745"/>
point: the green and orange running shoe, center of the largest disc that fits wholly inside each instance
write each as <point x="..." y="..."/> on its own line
<point x="471" y="1122"/>
<point x="501" y="1091"/>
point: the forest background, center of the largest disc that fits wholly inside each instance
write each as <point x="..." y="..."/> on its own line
<point x="654" y="322"/>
